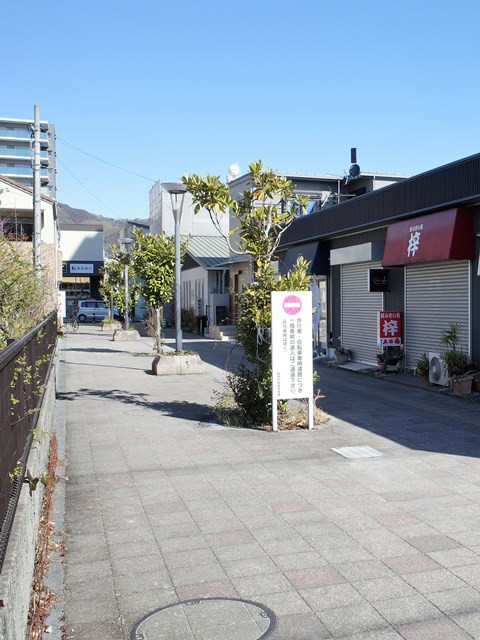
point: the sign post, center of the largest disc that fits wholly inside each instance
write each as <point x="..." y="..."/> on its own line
<point x="292" y="356"/>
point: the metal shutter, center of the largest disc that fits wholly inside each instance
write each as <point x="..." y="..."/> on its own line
<point x="359" y="312"/>
<point x="436" y="293"/>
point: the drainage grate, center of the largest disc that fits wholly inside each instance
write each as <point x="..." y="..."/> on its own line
<point x="207" y="619"/>
<point x="358" y="452"/>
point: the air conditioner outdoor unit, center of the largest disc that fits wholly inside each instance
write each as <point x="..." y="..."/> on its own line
<point x="437" y="373"/>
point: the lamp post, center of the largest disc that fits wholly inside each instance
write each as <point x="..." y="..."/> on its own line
<point x="126" y="242"/>
<point x="177" y="194"/>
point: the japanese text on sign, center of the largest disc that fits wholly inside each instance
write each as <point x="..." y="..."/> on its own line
<point x="292" y="344"/>
<point x="389" y="328"/>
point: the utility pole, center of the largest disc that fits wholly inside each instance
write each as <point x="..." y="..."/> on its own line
<point x="126" y="242"/>
<point x="37" y="201"/>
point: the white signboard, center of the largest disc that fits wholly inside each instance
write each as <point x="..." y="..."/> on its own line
<point x="81" y="268"/>
<point x="292" y="356"/>
<point x="61" y="304"/>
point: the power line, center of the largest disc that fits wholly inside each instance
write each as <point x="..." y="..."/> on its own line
<point x="139" y="175"/>
<point x="115" y="186"/>
<point x="87" y="189"/>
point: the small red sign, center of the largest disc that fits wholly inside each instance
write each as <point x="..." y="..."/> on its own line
<point x="389" y="328"/>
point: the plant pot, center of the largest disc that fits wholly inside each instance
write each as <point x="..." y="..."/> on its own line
<point x="110" y="327"/>
<point x="426" y="377"/>
<point x="124" y="334"/>
<point x="476" y="384"/>
<point x="395" y="368"/>
<point x="167" y="365"/>
<point x="382" y="366"/>
<point x="342" y="358"/>
<point x="462" y="386"/>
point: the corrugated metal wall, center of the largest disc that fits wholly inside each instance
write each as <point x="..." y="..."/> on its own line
<point x="436" y="293"/>
<point x="359" y="312"/>
<point x="475" y="308"/>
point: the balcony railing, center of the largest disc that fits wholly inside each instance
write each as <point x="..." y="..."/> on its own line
<point x="20" y="152"/>
<point x="20" y="133"/>
<point x="19" y="170"/>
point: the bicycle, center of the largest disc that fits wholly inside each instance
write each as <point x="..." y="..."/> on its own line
<point x="71" y="324"/>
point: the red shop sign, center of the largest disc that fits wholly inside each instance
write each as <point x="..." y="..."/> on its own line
<point x="389" y="328"/>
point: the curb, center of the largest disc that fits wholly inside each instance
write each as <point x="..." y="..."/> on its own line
<point x="55" y="576"/>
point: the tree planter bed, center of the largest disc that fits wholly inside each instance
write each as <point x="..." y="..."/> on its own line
<point x="167" y="365"/>
<point x="123" y="334"/>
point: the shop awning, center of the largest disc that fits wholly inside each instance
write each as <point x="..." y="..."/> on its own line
<point x="316" y="253"/>
<point x="446" y="235"/>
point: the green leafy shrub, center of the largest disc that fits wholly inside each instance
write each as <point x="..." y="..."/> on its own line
<point x="455" y="361"/>
<point x="422" y="365"/>
<point x="263" y="212"/>
<point x="24" y="296"/>
<point x="189" y="320"/>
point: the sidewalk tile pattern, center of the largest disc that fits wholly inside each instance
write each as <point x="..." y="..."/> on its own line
<point x="165" y="505"/>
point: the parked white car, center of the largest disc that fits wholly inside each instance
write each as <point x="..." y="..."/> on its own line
<point x="92" y="311"/>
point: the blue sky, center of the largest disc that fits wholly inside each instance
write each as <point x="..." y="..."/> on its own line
<point x="159" y="88"/>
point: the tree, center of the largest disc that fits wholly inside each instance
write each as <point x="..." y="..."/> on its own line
<point x="263" y="212"/>
<point x="113" y="279"/>
<point x="112" y="288"/>
<point x="24" y="296"/>
<point x="154" y="262"/>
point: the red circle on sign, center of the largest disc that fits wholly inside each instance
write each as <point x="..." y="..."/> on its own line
<point x="292" y="305"/>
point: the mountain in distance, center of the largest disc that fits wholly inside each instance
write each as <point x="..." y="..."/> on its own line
<point x="111" y="226"/>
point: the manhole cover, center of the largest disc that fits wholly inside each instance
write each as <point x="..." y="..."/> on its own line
<point x="358" y="452"/>
<point x="207" y="619"/>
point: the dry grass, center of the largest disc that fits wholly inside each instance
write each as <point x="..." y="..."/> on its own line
<point x="291" y="417"/>
<point x="43" y="598"/>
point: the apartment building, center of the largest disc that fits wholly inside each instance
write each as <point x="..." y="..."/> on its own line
<point x="191" y="224"/>
<point x="16" y="153"/>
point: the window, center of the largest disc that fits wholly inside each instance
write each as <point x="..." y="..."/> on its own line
<point x="17" y="230"/>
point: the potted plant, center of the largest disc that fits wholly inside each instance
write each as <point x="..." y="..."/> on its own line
<point x="342" y="355"/>
<point x="476" y="381"/>
<point x="382" y="361"/>
<point x="393" y="356"/>
<point x="110" y="324"/>
<point x="422" y="367"/>
<point x="461" y="385"/>
<point x="455" y="361"/>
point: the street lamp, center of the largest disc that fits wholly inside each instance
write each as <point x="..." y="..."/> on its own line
<point x="177" y="194"/>
<point x="126" y="242"/>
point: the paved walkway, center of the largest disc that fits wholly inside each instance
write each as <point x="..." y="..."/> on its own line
<point x="163" y="506"/>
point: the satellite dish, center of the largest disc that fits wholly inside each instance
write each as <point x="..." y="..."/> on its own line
<point x="354" y="170"/>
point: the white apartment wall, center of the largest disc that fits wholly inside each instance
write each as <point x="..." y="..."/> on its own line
<point x="155" y="207"/>
<point x="379" y="183"/>
<point x="195" y="287"/>
<point x="191" y="224"/>
<point x="199" y="293"/>
<point x="17" y="203"/>
<point x="49" y="224"/>
<point x="81" y="245"/>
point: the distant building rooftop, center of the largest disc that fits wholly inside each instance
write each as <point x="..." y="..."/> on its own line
<point x="209" y="251"/>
